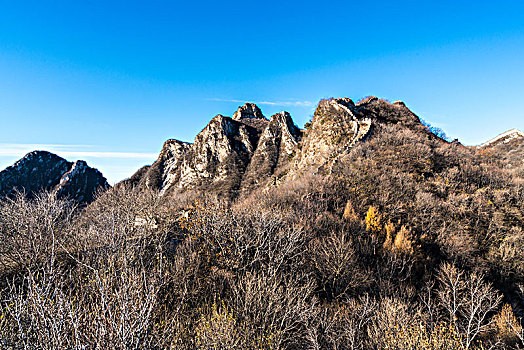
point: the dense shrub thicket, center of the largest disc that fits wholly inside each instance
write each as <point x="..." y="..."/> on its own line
<point x="411" y="243"/>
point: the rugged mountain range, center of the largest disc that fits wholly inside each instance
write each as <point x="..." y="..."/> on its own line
<point x="236" y="155"/>
<point x="41" y="170"/>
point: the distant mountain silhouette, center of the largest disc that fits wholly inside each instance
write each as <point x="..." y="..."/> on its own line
<point x="41" y="170"/>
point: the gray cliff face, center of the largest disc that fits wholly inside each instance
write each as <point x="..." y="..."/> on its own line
<point x="41" y="170"/>
<point x="277" y="145"/>
<point x="336" y="126"/>
<point x="236" y="155"/>
<point x="219" y="156"/>
<point x="165" y="170"/>
<point x="248" y="111"/>
<point x="249" y="114"/>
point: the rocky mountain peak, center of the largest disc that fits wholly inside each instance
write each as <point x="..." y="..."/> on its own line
<point x="81" y="182"/>
<point x="277" y="145"/>
<point x="338" y="124"/>
<point x="42" y="170"/>
<point x="282" y="116"/>
<point x="248" y="111"/>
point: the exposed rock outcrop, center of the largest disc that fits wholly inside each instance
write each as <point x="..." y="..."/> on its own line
<point x="41" y="170"/>
<point x="251" y="115"/>
<point x="276" y="147"/>
<point x="164" y="171"/>
<point x="338" y="124"/>
<point x="248" y="111"/>
<point x="335" y="125"/>
<point x="217" y="158"/>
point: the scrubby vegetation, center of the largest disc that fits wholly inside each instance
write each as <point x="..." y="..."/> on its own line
<point x="410" y="243"/>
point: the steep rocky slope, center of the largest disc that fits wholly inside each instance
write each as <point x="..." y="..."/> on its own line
<point x="218" y="158"/>
<point x="235" y="155"/>
<point x="41" y="170"/>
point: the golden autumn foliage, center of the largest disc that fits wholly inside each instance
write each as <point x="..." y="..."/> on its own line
<point x="373" y="220"/>
<point x="403" y="243"/>
<point x="398" y="242"/>
<point x="349" y="212"/>
<point x="506" y="325"/>
<point x="418" y="337"/>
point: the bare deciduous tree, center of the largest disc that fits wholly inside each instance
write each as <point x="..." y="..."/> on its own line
<point x="468" y="300"/>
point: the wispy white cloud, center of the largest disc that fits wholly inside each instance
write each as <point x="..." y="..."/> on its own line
<point x="111" y="154"/>
<point x="269" y="103"/>
<point x="73" y="151"/>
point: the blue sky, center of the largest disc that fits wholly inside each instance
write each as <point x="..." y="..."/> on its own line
<point x="110" y="81"/>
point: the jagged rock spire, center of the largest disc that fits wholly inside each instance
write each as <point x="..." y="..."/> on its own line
<point x="248" y="111"/>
